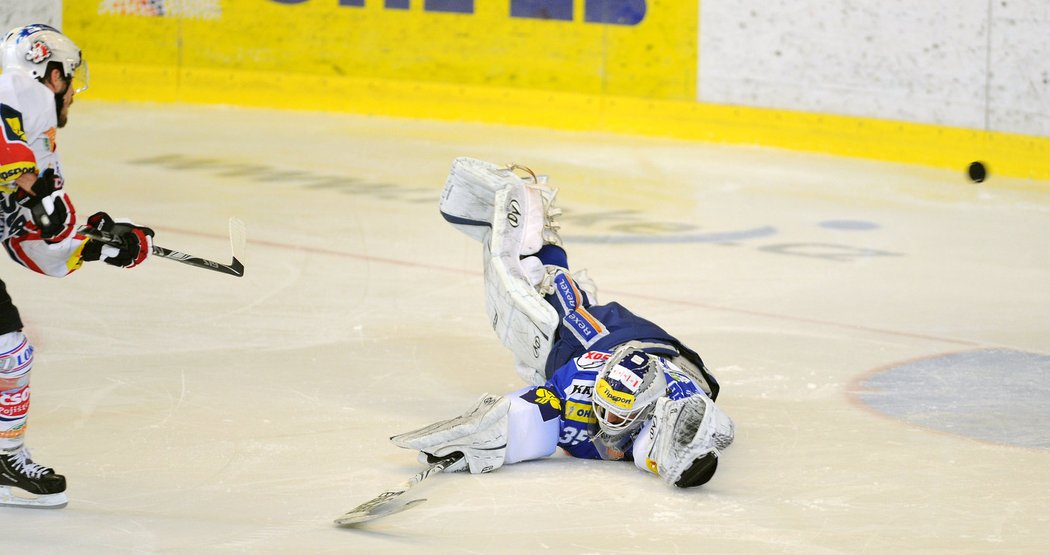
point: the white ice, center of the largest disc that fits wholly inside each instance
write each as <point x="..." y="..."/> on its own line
<point x="196" y="413"/>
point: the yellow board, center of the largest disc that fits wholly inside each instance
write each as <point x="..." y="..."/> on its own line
<point x="485" y="65"/>
<point x="653" y="58"/>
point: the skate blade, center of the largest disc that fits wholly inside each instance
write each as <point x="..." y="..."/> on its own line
<point x="357" y="517"/>
<point x="52" y="501"/>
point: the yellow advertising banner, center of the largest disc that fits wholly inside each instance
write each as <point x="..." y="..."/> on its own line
<point x="636" y="48"/>
<point x="626" y="66"/>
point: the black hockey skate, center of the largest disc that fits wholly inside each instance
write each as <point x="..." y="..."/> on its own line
<point x="17" y="470"/>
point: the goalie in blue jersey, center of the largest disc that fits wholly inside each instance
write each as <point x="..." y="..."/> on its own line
<point x="604" y="383"/>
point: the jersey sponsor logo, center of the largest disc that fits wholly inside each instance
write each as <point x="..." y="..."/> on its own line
<point x="580" y="412"/>
<point x="591" y="359"/>
<point x="615" y="398"/>
<point x="546" y="401"/>
<point x="581" y="390"/>
<point x="38" y="52"/>
<point x="49" y="139"/>
<point x="627" y="377"/>
<point x="568" y="294"/>
<point x="585" y="327"/>
<point x="14" y="404"/>
<point x="11" y="172"/>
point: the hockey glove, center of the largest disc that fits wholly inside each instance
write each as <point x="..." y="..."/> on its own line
<point x="48" y="206"/>
<point x="480" y="434"/>
<point x="136" y="242"/>
<point x="687" y="437"/>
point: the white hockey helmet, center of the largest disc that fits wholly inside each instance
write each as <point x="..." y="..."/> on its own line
<point x="31" y="48"/>
<point x="625" y="394"/>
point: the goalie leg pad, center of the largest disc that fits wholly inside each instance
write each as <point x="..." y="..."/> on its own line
<point x="480" y="434"/>
<point x="523" y="321"/>
<point x="685" y="440"/>
<point x="469" y="199"/>
<point x="479" y="195"/>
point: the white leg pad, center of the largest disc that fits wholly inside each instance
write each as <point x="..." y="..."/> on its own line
<point x="513" y="219"/>
<point x="469" y="198"/>
<point x="478" y="194"/>
<point x="523" y="321"/>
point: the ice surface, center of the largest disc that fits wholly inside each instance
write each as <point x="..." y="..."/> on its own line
<point x="195" y="413"/>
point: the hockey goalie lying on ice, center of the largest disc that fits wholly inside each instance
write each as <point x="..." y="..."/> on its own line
<point x="604" y="382"/>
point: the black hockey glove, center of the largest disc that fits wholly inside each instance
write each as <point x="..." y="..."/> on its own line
<point x="47" y="205"/>
<point x="135" y="242"/>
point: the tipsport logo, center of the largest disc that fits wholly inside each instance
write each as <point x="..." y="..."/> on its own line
<point x="606" y="12"/>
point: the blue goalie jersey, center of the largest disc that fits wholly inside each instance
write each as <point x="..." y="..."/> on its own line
<point x="591" y="327"/>
<point x="567" y="396"/>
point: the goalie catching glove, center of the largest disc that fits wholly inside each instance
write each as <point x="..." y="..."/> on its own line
<point x="480" y="434"/>
<point x="684" y="440"/>
<point x="136" y="242"/>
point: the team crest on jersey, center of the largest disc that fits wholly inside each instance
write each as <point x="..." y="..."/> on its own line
<point x="546" y="401"/>
<point x="13" y="130"/>
<point x="38" y="52"/>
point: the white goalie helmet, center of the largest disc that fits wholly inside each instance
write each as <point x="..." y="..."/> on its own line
<point x="31" y="48"/>
<point x="625" y="393"/>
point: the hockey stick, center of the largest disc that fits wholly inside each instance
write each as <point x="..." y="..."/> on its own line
<point x="234" y="268"/>
<point x="390" y="502"/>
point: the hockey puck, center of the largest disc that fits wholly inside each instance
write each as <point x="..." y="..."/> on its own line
<point x="977" y="172"/>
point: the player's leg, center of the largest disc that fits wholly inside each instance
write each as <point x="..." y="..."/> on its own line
<point x="564" y="291"/>
<point x="17" y="469"/>
<point x="514" y="219"/>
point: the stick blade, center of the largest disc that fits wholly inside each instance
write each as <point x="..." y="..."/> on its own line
<point x="364" y="514"/>
<point x="238" y="244"/>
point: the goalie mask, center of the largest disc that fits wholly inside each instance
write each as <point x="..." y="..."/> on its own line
<point x="625" y="394"/>
<point x="31" y="48"/>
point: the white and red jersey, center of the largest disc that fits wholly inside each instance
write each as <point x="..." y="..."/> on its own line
<point x="27" y="145"/>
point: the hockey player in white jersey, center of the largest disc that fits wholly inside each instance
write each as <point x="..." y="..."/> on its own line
<point x="42" y="71"/>
<point x="604" y="382"/>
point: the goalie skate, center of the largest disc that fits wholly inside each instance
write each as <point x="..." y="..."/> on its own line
<point x="24" y="483"/>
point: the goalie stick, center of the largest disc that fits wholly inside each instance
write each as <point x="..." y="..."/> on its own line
<point x="234" y="268"/>
<point x="390" y="502"/>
